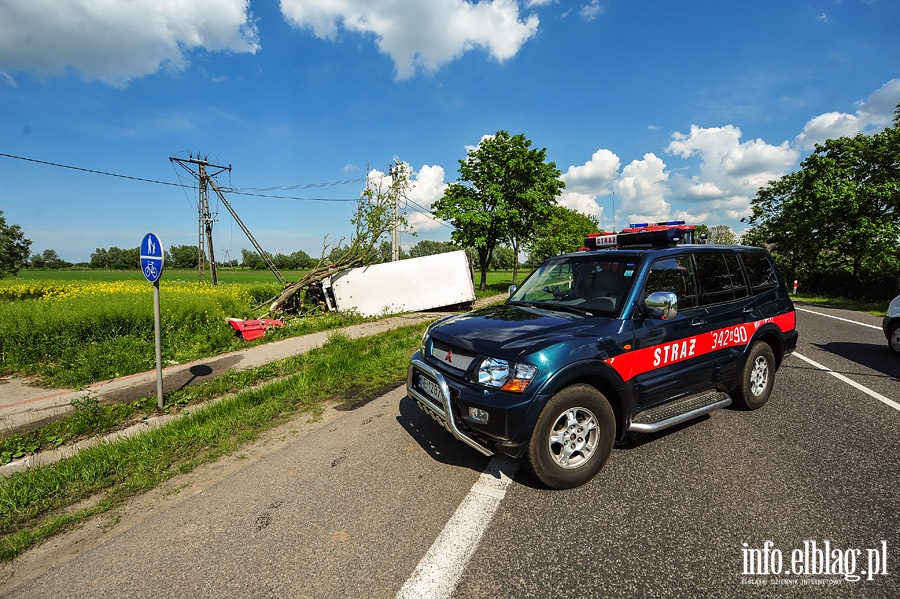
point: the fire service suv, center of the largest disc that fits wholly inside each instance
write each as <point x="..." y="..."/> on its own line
<point x="597" y="344"/>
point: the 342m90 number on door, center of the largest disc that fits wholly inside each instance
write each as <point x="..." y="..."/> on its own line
<point x="730" y="336"/>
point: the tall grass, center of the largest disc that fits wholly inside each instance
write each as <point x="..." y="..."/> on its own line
<point x="75" y="335"/>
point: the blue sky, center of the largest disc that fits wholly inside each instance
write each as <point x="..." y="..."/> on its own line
<point x="651" y="109"/>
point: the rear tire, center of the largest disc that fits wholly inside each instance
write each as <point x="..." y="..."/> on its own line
<point x="757" y="378"/>
<point x="573" y="437"/>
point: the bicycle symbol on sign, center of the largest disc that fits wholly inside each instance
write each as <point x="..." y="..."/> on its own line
<point x="150" y="270"/>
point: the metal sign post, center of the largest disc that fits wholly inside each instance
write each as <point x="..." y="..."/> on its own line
<point x="152" y="266"/>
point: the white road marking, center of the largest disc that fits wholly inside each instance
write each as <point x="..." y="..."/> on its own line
<point x="439" y="571"/>
<point x="862" y="324"/>
<point x="841" y="377"/>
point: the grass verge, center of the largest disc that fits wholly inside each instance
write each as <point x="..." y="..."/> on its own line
<point x="38" y="503"/>
<point x="876" y="308"/>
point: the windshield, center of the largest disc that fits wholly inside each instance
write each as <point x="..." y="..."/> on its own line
<point x="596" y="282"/>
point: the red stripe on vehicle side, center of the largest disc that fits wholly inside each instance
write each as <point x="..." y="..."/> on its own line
<point x="631" y="364"/>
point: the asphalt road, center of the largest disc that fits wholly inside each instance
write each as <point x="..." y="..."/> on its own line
<point x="370" y="503"/>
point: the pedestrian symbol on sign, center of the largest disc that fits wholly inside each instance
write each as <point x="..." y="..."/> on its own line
<point x="151" y="257"/>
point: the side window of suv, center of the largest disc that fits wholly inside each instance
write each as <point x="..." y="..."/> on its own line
<point x="759" y="271"/>
<point x="674" y="274"/>
<point x="721" y="279"/>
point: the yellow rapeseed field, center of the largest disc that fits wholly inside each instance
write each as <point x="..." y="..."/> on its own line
<point x="58" y="290"/>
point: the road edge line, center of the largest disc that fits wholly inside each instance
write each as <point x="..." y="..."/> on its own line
<point x="439" y="571"/>
<point x="874" y="394"/>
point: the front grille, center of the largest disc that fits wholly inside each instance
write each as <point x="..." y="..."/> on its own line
<point x="451" y="357"/>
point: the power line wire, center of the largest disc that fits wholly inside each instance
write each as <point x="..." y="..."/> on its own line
<point x="427" y="212"/>
<point x="183" y="186"/>
<point x="88" y="170"/>
<point x="288" y="187"/>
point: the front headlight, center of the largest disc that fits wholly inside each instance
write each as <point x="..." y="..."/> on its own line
<point x="502" y="374"/>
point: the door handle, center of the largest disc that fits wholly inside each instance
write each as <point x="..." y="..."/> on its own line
<point x="697" y="322"/>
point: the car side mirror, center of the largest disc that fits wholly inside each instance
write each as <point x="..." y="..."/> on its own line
<point x="662" y="305"/>
<point x="513" y="289"/>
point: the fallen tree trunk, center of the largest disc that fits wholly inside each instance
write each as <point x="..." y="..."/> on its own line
<point x="375" y="215"/>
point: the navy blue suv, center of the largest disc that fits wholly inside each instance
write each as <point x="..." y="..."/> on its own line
<point x="598" y="343"/>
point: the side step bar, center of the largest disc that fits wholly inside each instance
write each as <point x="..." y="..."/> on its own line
<point x="678" y="411"/>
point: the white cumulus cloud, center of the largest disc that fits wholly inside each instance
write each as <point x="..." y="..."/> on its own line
<point x="873" y="114"/>
<point x="642" y="189"/>
<point x="584" y="203"/>
<point x="417" y="34"/>
<point x="586" y="182"/>
<point x="426" y="187"/>
<point x="733" y="166"/>
<point x="115" y="42"/>
<point x="595" y="175"/>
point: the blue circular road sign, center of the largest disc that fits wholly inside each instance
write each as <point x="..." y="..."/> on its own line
<point x="151" y="257"/>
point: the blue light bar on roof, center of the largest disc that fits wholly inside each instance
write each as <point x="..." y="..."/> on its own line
<point x="668" y="223"/>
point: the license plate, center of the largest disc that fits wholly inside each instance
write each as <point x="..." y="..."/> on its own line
<point x="431" y="388"/>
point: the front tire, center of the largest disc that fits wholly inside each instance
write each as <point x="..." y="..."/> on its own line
<point x="894" y="339"/>
<point x="757" y="378"/>
<point x="573" y="437"/>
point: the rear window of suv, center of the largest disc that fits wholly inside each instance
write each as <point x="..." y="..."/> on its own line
<point x="759" y="271"/>
<point x="721" y="279"/>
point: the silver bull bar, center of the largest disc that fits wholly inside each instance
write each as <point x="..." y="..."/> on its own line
<point x="442" y="412"/>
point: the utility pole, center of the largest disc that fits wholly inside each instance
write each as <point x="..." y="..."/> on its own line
<point x="393" y="171"/>
<point x="205" y="220"/>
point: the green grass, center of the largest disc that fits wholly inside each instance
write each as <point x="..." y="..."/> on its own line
<point x="38" y="503"/>
<point x="876" y="308"/>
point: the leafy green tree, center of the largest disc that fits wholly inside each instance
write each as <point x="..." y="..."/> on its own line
<point x="503" y="259"/>
<point x="301" y="259"/>
<point x="14" y="248"/>
<point x="722" y="235"/>
<point x="426" y="247"/>
<point x="183" y="256"/>
<point x="282" y="261"/>
<point x="48" y="259"/>
<point x="699" y="232"/>
<point x="384" y="252"/>
<point x="563" y="231"/>
<point x="99" y="258"/>
<point x="839" y="212"/>
<point x="336" y="253"/>
<point x="52" y="259"/>
<point x="251" y="260"/>
<point x="505" y="189"/>
<point x="116" y="258"/>
<point x="292" y="261"/>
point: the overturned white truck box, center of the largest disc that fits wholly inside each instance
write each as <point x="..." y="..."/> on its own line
<point x="409" y="285"/>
